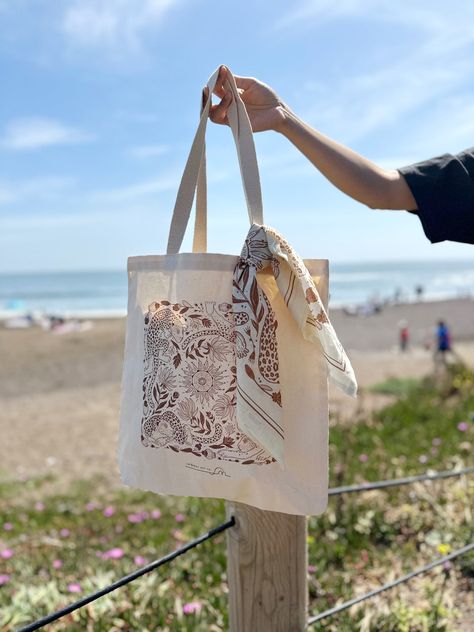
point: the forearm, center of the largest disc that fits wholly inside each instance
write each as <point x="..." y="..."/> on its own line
<point x="350" y="172"/>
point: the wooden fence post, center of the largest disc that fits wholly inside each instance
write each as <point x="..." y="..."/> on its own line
<point x="267" y="570"/>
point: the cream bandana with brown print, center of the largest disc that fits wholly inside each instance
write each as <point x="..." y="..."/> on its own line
<point x="259" y="402"/>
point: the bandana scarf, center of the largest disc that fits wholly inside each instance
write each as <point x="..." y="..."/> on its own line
<point x="259" y="405"/>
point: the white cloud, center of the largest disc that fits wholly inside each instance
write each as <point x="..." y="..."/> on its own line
<point x="448" y="128"/>
<point x="7" y="195"/>
<point x="33" y="133"/>
<point x="58" y="189"/>
<point x="148" y="151"/>
<point x="34" y="189"/>
<point x="133" y="191"/>
<point x="418" y="14"/>
<point x="136" y="117"/>
<point x="360" y="105"/>
<point x="114" y="25"/>
<point x="144" y="188"/>
<point x="435" y="65"/>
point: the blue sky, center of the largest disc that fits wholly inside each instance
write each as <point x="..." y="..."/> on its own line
<point x="100" y="101"/>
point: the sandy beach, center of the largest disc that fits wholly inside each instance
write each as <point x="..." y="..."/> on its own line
<point x="59" y="394"/>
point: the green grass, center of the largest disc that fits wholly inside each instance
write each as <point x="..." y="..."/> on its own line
<point x="360" y="541"/>
<point x="397" y="386"/>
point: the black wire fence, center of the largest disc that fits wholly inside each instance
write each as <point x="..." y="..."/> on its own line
<point x="334" y="491"/>
<point x="128" y="578"/>
<point x="396" y="582"/>
<point x="397" y="482"/>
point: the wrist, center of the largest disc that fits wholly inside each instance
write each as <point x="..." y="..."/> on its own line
<point x="286" y="117"/>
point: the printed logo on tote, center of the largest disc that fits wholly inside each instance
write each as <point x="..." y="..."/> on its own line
<point x="189" y="384"/>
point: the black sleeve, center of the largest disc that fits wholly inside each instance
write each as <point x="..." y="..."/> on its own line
<point x="443" y="188"/>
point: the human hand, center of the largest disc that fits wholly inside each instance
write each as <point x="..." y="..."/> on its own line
<point x="265" y="109"/>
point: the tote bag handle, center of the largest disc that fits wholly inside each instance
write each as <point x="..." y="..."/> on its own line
<point x="195" y="170"/>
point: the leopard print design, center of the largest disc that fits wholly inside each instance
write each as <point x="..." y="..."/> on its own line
<point x="225" y="322"/>
<point x="268" y="356"/>
<point x="168" y="427"/>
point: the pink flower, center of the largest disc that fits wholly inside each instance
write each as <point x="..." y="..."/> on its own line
<point x="8" y="526"/>
<point x="139" y="560"/>
<point x="178" y="535"/>
<point x="6" y="554"/>
<point x="422" y="458"/>
<point x="363" y="458"/>
<point x="192" y="607"/>
<point x="74" y="588"/>
<point x="57" y="564"/>
<point x="181" y="518"/>
<point x="64" y="533"/>
<point x="4" y="579"/>
<point x="434" y="451"/>
<point x="311" y="568"/>
<point x="113" y="554"/>
<point x="463" y="426"/>
<point x="91" y="506"/>
<point x="436" y="441"/>
<point x="109" y="511"/>
<point x="144" y="515"/>
<point x="39" y="506"/>
<point x="135" y="518"/>
<point x="156" y="514"/>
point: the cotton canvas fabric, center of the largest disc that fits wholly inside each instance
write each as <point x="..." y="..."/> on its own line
<point x="181" y="431"/>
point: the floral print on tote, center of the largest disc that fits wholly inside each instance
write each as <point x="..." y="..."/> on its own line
<point x="190" y="381"/>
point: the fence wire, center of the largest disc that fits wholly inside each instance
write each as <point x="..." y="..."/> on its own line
<point x="397" y="482"/>
<point x="129" y="578"/>
<point x="334" y="491"/>
<point x="397" y="582"/>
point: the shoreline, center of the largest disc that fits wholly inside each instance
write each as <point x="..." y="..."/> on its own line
<point x="119" y="313"/>
<point x="60" y="390"/>
<point x="380" y="331"/>
<point x="375" y="331"/>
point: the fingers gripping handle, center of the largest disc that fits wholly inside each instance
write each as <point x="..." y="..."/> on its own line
<point x="243" y="137"/>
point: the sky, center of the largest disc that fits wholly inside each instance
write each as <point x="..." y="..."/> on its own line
<point x="99" y="103"/>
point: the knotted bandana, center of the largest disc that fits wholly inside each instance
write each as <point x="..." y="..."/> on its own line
<point x="259" y="404"/>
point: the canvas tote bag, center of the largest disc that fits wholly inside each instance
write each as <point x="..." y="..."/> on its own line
<point x="222" y="394"/>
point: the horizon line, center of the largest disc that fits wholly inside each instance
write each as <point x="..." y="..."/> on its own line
<point x="68" y="270"/>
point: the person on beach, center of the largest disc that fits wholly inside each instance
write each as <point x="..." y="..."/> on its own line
<point x="439" y="190"/>
<point x="443" y="341"/>
<point x="403" y="335"/>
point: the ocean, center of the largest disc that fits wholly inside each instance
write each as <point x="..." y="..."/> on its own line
<point x="104" y="293"/>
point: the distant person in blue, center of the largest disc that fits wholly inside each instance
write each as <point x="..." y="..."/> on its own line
<point x="439" y="190"/>
<point x="443" y="339"/>
<point x="444" y="346"/>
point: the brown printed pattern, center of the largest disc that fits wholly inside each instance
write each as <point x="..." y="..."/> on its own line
<point x="189" y="384"/>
